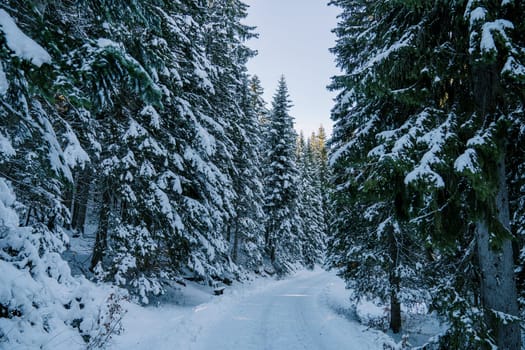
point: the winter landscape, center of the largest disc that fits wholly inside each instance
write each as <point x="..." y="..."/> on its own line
<point x="151" y="197"/>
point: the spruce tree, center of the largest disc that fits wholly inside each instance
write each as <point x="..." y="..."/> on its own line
<point x="39" y="153"/>
<point x="258" y="102"/>
<point x="283" y="229"/>
<point x="318" y="144"/>
<point x="248" y="223"/>
<point x="140" y="125"/>
<point x="434" y="119"/>
<point x="372" y="239"/>
<point x="310" y="204"/>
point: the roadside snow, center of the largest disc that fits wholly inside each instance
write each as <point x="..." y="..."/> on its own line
<point x="309" y="311"/>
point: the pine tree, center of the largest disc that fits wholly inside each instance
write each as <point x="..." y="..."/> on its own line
<point x="237" y="154"/>
<point x="496" y="61"/>
<point x="39" y="152"/>
<point x="318" y="143"/>
<point x="262" y="112"/>
<point x="433" y="118"/>
<point x="310" y="204"/>
<point x="145" y="113"/>
<point x="137" y="169"/>
<point x="283" y="230"/>
<point x="30" y="121"/>
<point x="372" y="240"/>
<point x="248" y="223"/>
<point x="258" y="102"/>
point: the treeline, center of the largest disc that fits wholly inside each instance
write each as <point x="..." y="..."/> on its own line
<point x="141" y="118"/>
<point x="428" y="160"/>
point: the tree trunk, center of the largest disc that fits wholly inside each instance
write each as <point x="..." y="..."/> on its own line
<point x="81" y="197"/>
<point x="394" y="280"/>
<point x="102" y="232"/>
<point x="395" y="310"/>
<point x="498" y="287"/>
<point x="68" y="199"/>
<point x="235" y="250"/>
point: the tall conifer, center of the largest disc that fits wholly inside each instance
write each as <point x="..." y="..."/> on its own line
<point x="283" y="229"/>
<point x="423" y="106"/>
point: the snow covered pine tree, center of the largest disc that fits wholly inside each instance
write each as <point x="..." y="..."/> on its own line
<point x="433" y="88"/>
<point x="283" y="222"/>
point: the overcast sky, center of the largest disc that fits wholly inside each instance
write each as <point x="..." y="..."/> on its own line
<point x="294" y="38"/>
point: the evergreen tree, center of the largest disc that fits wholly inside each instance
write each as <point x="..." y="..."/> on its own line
<point x="432" y="122"/>
<point x="262" y="113"/>
<point x="310" y="204"/>
<point x="39" y="151"/>
<point x="248" y="223"/>
<point x="283" y="229"/>
<point x="318" y="143"/>
<point x="145" y="112"/>
<point x="137" y="169"/>
<point x="237" y="156"/>
<point x="258" y="102"/>
<point x="30" y="121"/>
<point x="372" y="240"/>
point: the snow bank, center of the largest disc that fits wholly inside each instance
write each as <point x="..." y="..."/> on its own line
<point x="41" y="304"/>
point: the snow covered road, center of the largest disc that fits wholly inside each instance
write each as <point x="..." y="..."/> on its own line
<point x="307" y="311"/>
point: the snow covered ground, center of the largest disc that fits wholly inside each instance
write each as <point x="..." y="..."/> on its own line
<point x="311" y="310"/>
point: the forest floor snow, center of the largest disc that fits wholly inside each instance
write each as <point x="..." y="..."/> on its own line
<point x="310" y="310"/>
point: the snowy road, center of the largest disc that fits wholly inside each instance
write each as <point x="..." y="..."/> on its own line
<point x="304" y="312"/>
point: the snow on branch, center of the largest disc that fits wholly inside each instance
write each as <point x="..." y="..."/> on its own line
<point x="22" y="45"/>
<point x="488" y="30"/>
<point x="357" y="135"/>
<point x="513" y="68"/>
<point x="468" y="161"/>
<point x="404" y="41"/>
<point x="435" y="139"/>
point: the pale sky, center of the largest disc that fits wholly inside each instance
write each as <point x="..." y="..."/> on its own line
<point x="294" y="38"/>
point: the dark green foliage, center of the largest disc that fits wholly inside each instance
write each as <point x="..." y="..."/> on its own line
<point x="421" y="128"/>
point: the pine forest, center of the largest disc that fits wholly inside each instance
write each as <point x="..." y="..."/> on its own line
<point x="141" y="166"/>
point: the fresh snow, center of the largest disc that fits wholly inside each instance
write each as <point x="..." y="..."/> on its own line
<point x="74" y="154"/>
<point x="467" y="162"/>
<point x="5" y="146"/>
<point x="478" y="14"/>
<point x="4" y="84"/>
<point x="39" y="287"/>
<point x="151" y="112"/>
<point x="425" y="173"/>
<point x="103" y="43"/>
<point x="512" y="67"/>
<point x="499" y="26"/>
<point x="23" y="46"/>
<point x="405" y="41"/>
<point x="311" y="310"/>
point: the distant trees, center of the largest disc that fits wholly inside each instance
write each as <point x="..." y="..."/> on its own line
<point x="310" y="201"/>
<point x="428" y="100"/>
